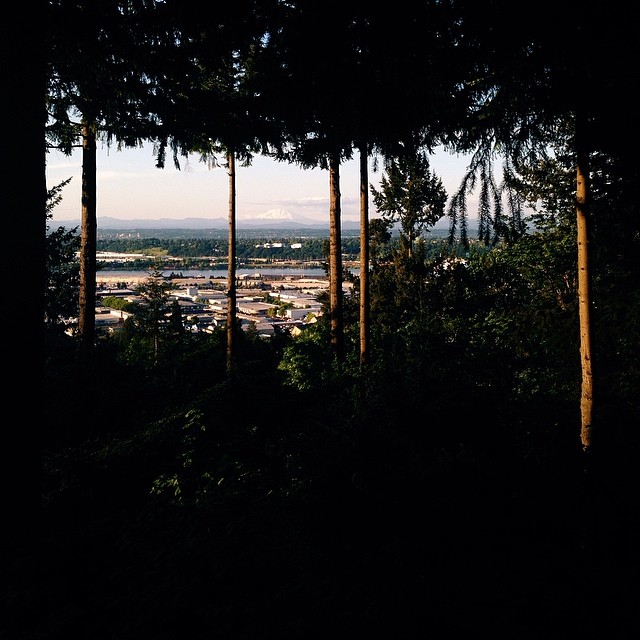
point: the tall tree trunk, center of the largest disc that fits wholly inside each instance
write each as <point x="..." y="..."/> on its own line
<point x="231" y="273"/>
<point x="584" y="287"/>
<point x="88" y="241"/>
<point x="36" y="199"/>
<point x="335" y="260"/>
<point x="365" y="330"/>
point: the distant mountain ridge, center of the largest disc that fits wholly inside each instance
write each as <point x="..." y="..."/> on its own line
<point x="263" y="221"/>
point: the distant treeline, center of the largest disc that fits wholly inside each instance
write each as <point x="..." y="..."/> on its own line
<point x="303" y="249"/>
<point x="272" y="233"/>
<point x="263" y="248"/>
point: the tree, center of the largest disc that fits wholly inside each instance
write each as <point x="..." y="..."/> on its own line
<point x="210" y="109"/>
<point x="379" y="237"/>
<point x="335" y="260"/>
<point x="364" y="288"/>
<point x="232" y="314"/>
<point x="175" y="324"/>
<point x="152" y="315"/>
<point x="88" y="239"/>
<point x="549" y="187"/>
<point x="312" y="114"/>
<point x="528" y="86"/>
<point x="62" y="268"/>
<point x="411" y="195"/>
<point x="99" y="85"/>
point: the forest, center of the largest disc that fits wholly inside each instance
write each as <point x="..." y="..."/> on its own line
<point x="447" y="452"/>
<point x="246" y="249"/>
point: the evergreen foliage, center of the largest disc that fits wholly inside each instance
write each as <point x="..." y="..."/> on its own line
<point x="62" y="269"/>
<point x="308" y="486"/>
<point x="309" y="497"/>
<point x="411" y="195"/>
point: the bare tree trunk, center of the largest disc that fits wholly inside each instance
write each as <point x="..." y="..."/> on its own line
<point x="231" y="273"/>
<point x="88" y="241"/>
<point x="584" y="289"/>
<point x="365" y="330"/>
<point x="335" y="260"/>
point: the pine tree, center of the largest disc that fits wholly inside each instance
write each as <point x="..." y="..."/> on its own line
<point x="411" y="195"/>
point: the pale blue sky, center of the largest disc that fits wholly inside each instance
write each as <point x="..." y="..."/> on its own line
<point x="129" y="186"/>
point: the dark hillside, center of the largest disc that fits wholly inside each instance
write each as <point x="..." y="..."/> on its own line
<point x="260" y="512"/>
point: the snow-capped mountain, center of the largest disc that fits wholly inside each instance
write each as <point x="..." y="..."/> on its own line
<point x="275" y="214"/>
<point x="279" y="216"/>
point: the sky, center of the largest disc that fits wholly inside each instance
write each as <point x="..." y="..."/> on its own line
<point x="131" y="187"/>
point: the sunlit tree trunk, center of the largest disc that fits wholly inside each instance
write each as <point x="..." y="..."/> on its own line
<point x="231" y="277"/>
<point x="88" y="242"/>
<point x="335" y="260"/>
<point x="364" y="258"/>
<point x="584" y="289"/>
<point x="37" y="198"/>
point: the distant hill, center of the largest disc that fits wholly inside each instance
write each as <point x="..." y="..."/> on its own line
<point x="273" y="223"/>
<point x="261" y="222"/>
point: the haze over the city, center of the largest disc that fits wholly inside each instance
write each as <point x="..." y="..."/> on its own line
<point x="131" y="187"/>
